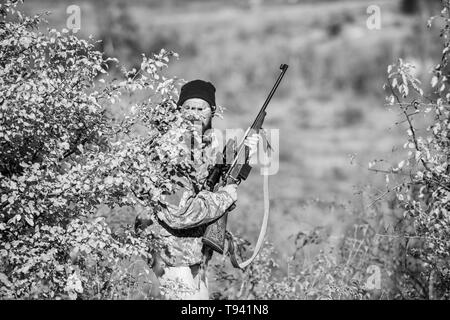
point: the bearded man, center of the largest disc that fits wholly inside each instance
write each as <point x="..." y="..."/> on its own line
<point x="180" y="226"/>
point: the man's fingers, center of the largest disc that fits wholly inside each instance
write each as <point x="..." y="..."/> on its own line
<point x="251" y="141"/>
<point x="252" y="138"/>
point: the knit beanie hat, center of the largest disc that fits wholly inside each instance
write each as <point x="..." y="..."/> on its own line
<point x="198" y="89"/>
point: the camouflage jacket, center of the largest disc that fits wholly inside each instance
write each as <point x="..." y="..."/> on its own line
<point x="181" y="225"/>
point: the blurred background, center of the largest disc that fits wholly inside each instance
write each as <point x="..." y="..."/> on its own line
<point x="330" y="108"/>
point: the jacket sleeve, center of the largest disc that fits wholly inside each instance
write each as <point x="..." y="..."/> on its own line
<point x="187" y="210"/>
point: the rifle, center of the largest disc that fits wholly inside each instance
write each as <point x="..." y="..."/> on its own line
<point x="239" y="169"/>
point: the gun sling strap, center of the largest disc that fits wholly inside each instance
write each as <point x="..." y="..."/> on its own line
<point x="262" y="233"/>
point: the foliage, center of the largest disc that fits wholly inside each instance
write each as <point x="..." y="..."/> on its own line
<point x="63" y="154"/>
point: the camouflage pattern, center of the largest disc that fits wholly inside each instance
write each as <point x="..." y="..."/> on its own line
<point x="181" y="225"/>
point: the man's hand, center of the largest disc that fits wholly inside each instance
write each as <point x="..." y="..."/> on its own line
<point x="231" y="189"/>
<point x="252" y="143"/>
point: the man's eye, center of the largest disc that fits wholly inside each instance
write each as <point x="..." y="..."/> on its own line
<point x="196" y="108"/>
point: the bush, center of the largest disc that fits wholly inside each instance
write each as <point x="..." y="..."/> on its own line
<point x="62" y="155"/>
<point x="425" y="197"/>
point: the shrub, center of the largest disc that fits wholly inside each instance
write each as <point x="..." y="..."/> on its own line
<point x="63" y="154"/>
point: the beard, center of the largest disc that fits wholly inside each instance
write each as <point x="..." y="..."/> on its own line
<point x="206" y="125"/>
<point x="201" y="126"/>
<point x="202" y="129"/>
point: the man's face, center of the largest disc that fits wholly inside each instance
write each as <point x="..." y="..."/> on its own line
<point x="201" y="109"/>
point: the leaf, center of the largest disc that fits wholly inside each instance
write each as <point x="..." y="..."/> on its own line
<point x="405" y="90"/>
<point x="394" y="82"/>
<point x="11" y="199"/>
<point x="29" y="220"/>
<point x="434" y="81"/>
<point x="4" y="280"/>
<point x="109" y="180"/>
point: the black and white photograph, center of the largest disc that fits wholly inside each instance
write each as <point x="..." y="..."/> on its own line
<point x="248" y="151"/>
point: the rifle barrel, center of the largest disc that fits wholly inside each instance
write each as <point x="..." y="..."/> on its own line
<point x="261" y="113"/>
<point x="283" y="68"/>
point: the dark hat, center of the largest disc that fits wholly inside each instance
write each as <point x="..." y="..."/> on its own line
<point x="198" y="89"/>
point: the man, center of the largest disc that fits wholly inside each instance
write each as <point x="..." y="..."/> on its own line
<point x="181" y="265"/>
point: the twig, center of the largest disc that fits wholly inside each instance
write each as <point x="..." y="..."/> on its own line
<point x="383" y="195"/>
<point x="389" y="172"/>
<point x="413" y="131"/>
